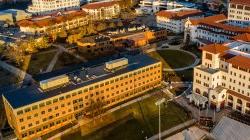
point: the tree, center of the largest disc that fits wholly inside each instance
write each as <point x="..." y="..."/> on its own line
<point x="112" y="25"/>
<point x="119" y="24"/>
<point x="15" y="54"/>
<point x="101" y="27"/>
<point x="42" y="43"/>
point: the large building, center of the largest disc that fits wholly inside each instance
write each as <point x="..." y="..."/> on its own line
<point x="102" y="10"/>
<point x="54" y="23"/>
<point x="223" y="77"/>
<point x="212" y="29"/>
<point x="220" y="28"/>
<point x="60" y="98"/>
<point x="174" y="20"/>
<point x="239" y="12"/>
<point x="42" y="7"/>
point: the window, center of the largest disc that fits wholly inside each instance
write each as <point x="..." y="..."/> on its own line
<point x="55" y="100"/>
<point x="208" y="56"/>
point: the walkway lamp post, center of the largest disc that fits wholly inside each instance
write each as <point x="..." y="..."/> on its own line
<point x="158" y="103"/>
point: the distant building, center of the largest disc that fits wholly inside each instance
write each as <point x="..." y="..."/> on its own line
<point x="54" y="23"/>
<point x="62" y="97"/>
<point x="95" y="44"/>
<point x="239" y="12"/>
<point x="223" y="77"/>
<point x="43" y="7"/>
<point x="152" y="6"/>
<point x="102" y="10"/>
<point x="11" y="16"/>
<point x="174" y="20"/>
<point x="213" y="29"/>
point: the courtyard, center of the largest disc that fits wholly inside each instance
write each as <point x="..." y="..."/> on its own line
<point x="141" y="124"/>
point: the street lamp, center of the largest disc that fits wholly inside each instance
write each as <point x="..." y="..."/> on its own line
<point x="158" y="103"/>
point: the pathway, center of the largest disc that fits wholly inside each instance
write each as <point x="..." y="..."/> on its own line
<point x="62" y="47"/>
<point x="53" y="61"/>
<point x="196" y="62"/>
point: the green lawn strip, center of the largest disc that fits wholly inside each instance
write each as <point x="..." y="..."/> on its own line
<point x="173" y="58"/>
<point x="39" y="62"/>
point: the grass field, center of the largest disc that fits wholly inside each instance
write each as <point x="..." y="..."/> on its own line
<point x="143" y="124"/>
<point x="173" y="58"/>
<point x="39" y="62"/>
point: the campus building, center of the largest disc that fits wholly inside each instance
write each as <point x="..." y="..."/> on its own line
<point x="212" y="29"/>
<point x="223" y="77"/>
<point x="54" y="23"/>
<point x="239" y="12"/>
<point x="174" y="20"/>
<point x="62" y="97"/>
<point x="43" y="7"/>
<point x="102" y="10"/>
<point x="152" y="6"/>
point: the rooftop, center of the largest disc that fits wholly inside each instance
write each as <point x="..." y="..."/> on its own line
<point x="243" y="37"/>
<point x="243" y="2"/>
<point x="80" y="76"/>
<point x="215" y="48"/>
<point x="241" y="61"/>
<point x="229" y="129"/>
<point x="42" y="21"/>
<point x="97" y="5"/>
<point x="181" y="14"/>
<point x="219" y="22"/>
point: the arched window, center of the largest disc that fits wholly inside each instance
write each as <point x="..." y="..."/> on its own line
<point x="205" y="94"/>
<point x="197" y="91"/>
<point x="239" y="101"/>
<point x="230" y="97"/>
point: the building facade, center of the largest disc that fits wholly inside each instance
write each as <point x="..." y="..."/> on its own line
<point x="223" y="77"/>
<point x="54" y="23"/>
<point x="43" y="7"/>
<point x="62" y="97"/>
<point x="102" y="10"/>
<point x="212" y="29"/>
<point x="239" y="12"/>
<point x="174" y="20"/>
<point x="152" y="6"/>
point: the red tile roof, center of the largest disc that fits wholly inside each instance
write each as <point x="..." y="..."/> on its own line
<point x="243" y="37"/>
<point x="233" y="93"/>
<point x="96" y="5"/>
<point x="216" y="22"/>
<point x="50" y="20"/>
<point x="240" y="61"/>
<point x="215" y="18"/>
<point x="178" y="14"/>
<point x="215" y="48"/>
<point x="243" y="2"/>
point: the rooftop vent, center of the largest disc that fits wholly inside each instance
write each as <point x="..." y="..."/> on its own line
<point x="54" y="82"/>
<point x="116" y="63"/>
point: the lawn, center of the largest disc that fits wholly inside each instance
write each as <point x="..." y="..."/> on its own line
<point x="65" y="60"/>
<point x="39" y="62"/>
<point x="173" y="58"/>
<point x="143" y="123"/>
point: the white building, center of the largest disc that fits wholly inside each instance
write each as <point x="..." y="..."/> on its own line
<point x="102" y="10"/>
<point x="213" y="29"/>
<point x="43" y="7"/>
<point x="174" y="20"/>
<point x="152" y="6"/>
<point x="223" y="77"/>
<point x="239" y="12"/>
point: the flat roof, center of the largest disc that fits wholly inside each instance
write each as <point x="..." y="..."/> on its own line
<point x="229" y="129"/>
<point x="25" y="96"/>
